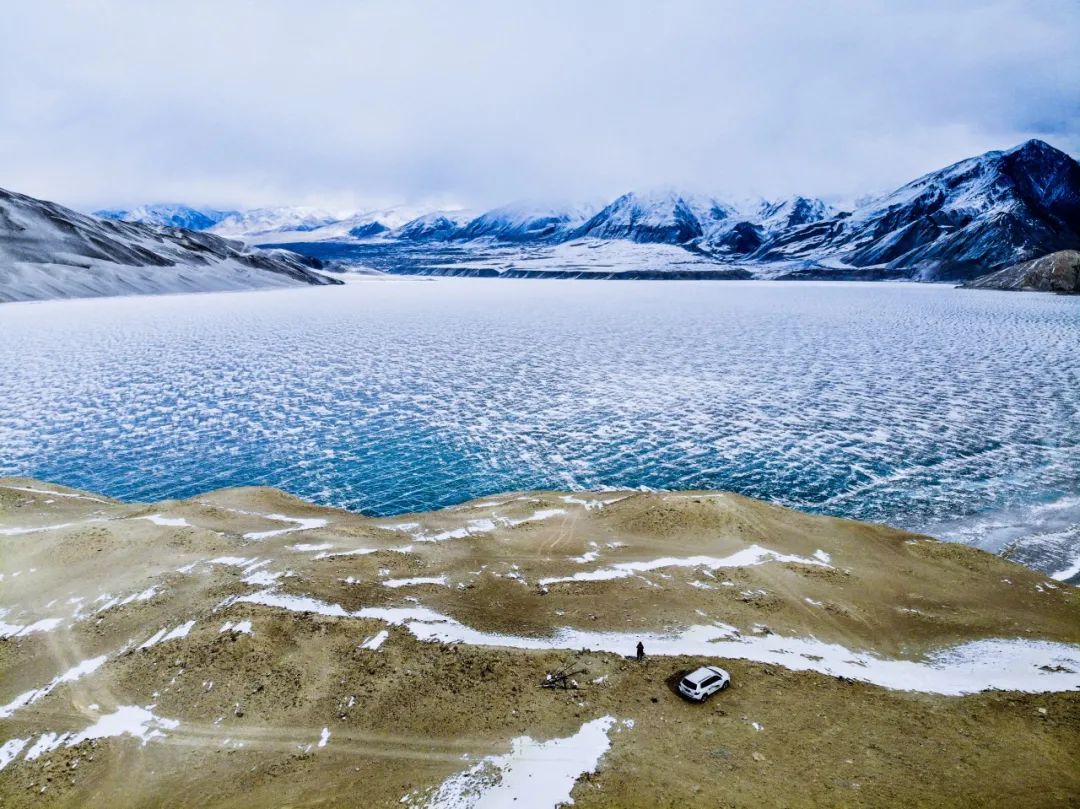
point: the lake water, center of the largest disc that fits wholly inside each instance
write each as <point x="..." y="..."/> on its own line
<point x="922" y="406"/>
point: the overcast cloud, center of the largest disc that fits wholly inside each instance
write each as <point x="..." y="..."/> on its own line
<point x="347" y="104"/>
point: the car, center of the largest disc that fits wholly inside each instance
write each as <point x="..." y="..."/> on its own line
<point x="701" y="684"/>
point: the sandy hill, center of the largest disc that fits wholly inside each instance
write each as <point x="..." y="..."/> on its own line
<point x="248" y="649"/>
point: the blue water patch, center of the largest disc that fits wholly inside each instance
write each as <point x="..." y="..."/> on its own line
<point x="908" y="404"/>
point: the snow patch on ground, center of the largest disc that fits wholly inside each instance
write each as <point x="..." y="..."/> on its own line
<point x="754" y="555"/>
<point x="163" y="635"/>
<point x="1067" y="573"/>
<point x="17" y="631"/>
<point x="533" y="775"/>
<point x="358" y="552"/>
<point x="126" y="720"/>
<point x="51" y="493"/>
<point x="10" y="749"/>
<point x="591" y="504"/>
<point x="169" y="522"/>
<point x="588" y="556"/>
<point x="300" y="524"/>
<point x="416" y="580"/>
<point x="375" y="641"/>
<point x="482" y="525"/>
<point x="69" y="676"/>
<point x="12" y="532"/>
<point x="262" y="578"/>
<point x="303" y="547"/>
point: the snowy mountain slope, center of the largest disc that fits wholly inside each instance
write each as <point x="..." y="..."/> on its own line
<point x="664" y="217"/>
<point x="49" y="251"/>
<point x="793" y="212"/>
<point x="525" y="222"/>
<point x="249" y="225"/>
<point x="166" y="214"/>
<point x="975" y="216"/>
<point x="361" y="226"/>
<point x="747" y="228"/>
<point x="433" y="227"/>
<point x="367" y="224"/>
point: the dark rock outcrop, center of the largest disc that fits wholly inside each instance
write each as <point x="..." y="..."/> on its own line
<point x="1057" y="272"/>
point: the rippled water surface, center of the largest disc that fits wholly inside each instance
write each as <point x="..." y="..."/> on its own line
<point x="922" y="406"/>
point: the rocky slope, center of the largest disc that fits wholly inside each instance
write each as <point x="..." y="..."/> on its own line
<point x="49" y="251"/>
<point x="245" y="648"/>
<point x="976" y="215"/>
<point x="1058" y="272"/>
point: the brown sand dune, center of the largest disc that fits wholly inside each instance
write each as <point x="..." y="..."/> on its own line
<point x="197" y="652"/>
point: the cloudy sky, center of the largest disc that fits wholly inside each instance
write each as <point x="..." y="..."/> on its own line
<point x="350" y="104"/>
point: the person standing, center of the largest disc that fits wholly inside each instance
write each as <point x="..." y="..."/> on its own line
<point x="640" y="651"/>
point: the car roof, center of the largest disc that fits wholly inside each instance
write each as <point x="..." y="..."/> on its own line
<point x="705" y="671"/>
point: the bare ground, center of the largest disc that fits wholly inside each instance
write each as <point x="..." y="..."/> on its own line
<point x="402" y="718"/>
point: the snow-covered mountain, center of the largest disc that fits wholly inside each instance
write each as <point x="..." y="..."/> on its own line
<point x="663" y="217"/>
<point x="792" y="212"/>
<point x="700" y="222"/>
<point x="249" y="225"/>
<point x="967" y="219"/>
<point x="521" y="222"/>
<point x="168" y="214"/>
<point x="362" y="226"/>
<point x="368" y="224"/>
<point x="438" y="226"/>
<point x="49" y="251"/>
<point x="960" y="222"/>
<point x="747" y="227"/>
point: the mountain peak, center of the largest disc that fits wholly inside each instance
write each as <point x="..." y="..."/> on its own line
<point x="661" y="216"/>
<point x="1034" y="146"/>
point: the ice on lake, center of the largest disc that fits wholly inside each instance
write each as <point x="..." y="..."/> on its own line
<point x="921" y="406"/>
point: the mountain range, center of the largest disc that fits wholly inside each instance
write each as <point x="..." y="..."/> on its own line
<point x="960" y="222"/>
<point x="980" y="216"/>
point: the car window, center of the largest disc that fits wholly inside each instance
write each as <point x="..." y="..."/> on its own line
<point x="709" y="681"/>
<point x="689" y="683"/>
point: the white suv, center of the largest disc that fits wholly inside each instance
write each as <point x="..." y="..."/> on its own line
<point x="703" y="683"/>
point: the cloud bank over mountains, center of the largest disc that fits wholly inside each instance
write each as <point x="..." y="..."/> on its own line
<point x="350" y="105"/>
